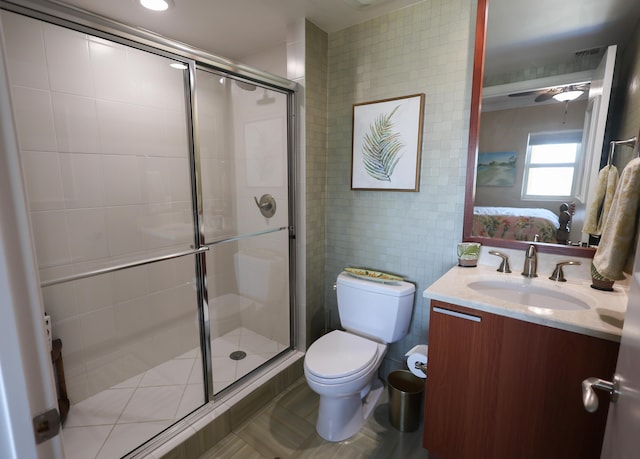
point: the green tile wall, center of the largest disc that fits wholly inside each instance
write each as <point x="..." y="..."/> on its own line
<point x="425" y="48"/>
<point x="316" y="172"/>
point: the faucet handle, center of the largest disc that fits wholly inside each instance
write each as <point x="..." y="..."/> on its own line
<point x="558" y="274"/>
<point x="504" y="266"/>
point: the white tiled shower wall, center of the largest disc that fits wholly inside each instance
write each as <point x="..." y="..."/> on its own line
<point x="103" y="137"/>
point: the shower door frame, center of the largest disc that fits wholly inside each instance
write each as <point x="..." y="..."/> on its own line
<point x="89" y="23"/>
<point x="205" y="246"/>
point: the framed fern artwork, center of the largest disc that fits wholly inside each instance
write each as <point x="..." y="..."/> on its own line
<point x="387" y="139"/>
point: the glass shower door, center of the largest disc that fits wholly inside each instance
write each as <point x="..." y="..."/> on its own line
<point x="242" y="140"/>
<point x="103" y="132"/>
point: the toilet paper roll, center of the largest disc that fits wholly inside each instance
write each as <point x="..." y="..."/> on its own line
<point x="417" y="354"/>
<point x="411" y="363"/>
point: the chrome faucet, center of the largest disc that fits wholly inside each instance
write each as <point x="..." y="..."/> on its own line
<point x="558" y="275"/>
<point x="504" y="265"/>
<point x="530" y="262"/>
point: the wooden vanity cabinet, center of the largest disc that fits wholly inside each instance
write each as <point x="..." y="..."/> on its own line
<point x="499" y="388"/>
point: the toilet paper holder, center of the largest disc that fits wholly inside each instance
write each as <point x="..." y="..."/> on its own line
<point x="417" y="360"/>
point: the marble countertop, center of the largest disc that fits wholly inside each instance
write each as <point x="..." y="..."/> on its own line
<point x="603" y="318"/>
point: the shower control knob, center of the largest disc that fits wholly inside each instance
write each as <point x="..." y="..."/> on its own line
<point x="266" y="204"/>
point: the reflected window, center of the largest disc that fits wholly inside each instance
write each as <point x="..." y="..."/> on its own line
<point x="551" y="165"/>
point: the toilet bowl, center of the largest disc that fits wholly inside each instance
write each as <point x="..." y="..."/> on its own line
<point x="344" y="384"/>
<point x="342" y="366"/>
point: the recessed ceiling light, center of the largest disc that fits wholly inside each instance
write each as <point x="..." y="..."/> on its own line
<point x="178" y="65"/>
<point x="157" y="5"/>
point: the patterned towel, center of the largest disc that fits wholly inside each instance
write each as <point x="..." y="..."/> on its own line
<point x="615" y="252"/>
<point x="601" y="205"/>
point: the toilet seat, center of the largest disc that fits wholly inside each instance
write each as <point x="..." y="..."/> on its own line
<point x="340" y="356"/>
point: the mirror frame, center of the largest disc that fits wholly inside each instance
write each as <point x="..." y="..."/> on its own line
<point x="472" y="155"/>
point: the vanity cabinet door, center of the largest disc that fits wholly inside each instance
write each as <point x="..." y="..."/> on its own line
<point x="505" y="388"/>
<point x="461" y="374"/>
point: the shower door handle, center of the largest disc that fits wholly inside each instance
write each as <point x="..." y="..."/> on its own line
<point x="267" y="205"/>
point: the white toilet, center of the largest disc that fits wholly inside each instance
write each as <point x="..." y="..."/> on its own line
<point x="342" y="366"/>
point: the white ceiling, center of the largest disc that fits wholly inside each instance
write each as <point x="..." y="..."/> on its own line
<point x="238" y="28"/>
<point x="520" y="31"/>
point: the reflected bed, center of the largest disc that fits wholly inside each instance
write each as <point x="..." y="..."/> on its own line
<point x="519" y="224"/>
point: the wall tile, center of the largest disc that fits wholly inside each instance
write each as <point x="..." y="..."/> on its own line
<point x="68" y="61"/>
<point x="111" y="73"/>
<point x="145" y="123"/>
<point x="70" y="331"/>
<point x="88" y="233"/>
<point x="51" y="238"/>
<point x="99" y="328"/>
<point x="34" y="119"/>
<point x="316" y="71"/>
<point x="164" y="90"/>
<point x="130" y="283"/>
<point x="174" y="134"/>
<point x="76" y="123"/>
<point x="131" y="317"/>
<point x="167" y="225"/>
<point x="180" y="183"/>
<point x="25" y="51"/>
<point x="94" y="293"/>
<point x="124" y="230"/>
<point x="122" y="179"/>
<point x="60" y="301"/>
<point x="156" y="180"/>
<point x="43" y="180"/>
<point x="115" y="127"/>
<point x="161" y="275"/>
<point x="82" y="180"/>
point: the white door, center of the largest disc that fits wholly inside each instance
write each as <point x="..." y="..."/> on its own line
<point x="621" y="438"/>
<point x="594" y="126"/>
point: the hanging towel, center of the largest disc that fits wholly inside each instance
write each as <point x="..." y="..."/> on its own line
<point x="615" y="252"/>
<point x="601" y="205"/>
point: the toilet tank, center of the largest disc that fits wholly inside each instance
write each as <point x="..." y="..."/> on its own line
<point x="376" y="310"/>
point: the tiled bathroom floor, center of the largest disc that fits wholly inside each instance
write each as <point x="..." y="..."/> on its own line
<point x="285" y="428"/>
<point x="117" y="420"/>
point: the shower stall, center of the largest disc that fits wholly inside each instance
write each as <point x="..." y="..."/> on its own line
<point x="160" y="196"/>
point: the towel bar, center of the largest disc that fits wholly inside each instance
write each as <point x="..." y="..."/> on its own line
<point x="614" y="143"/>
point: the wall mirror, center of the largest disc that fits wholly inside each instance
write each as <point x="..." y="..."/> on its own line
<point x="525" y="54"/>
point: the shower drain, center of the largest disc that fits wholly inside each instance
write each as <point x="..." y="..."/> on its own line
<point x="237" y="355"/>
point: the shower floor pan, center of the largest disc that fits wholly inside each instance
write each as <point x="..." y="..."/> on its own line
<point x="115" y="421"/>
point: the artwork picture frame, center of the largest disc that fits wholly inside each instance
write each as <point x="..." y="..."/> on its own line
<point x="496" y="169"/>
<point x="387" y="144"/>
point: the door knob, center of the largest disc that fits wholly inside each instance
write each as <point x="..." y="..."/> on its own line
<point x="589" y="396"/>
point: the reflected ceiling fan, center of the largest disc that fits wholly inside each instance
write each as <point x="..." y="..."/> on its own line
<point x="562" y="93"/>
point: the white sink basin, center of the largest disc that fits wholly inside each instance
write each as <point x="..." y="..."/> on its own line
<point x="527" y="294"/>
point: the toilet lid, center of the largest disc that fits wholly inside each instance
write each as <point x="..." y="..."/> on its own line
<point x="339" y="354"/>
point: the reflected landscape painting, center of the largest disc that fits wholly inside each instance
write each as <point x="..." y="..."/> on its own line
<point x="497" y="169"/>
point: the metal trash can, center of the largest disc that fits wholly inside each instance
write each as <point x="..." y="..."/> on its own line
<point x="405" y="400"/>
